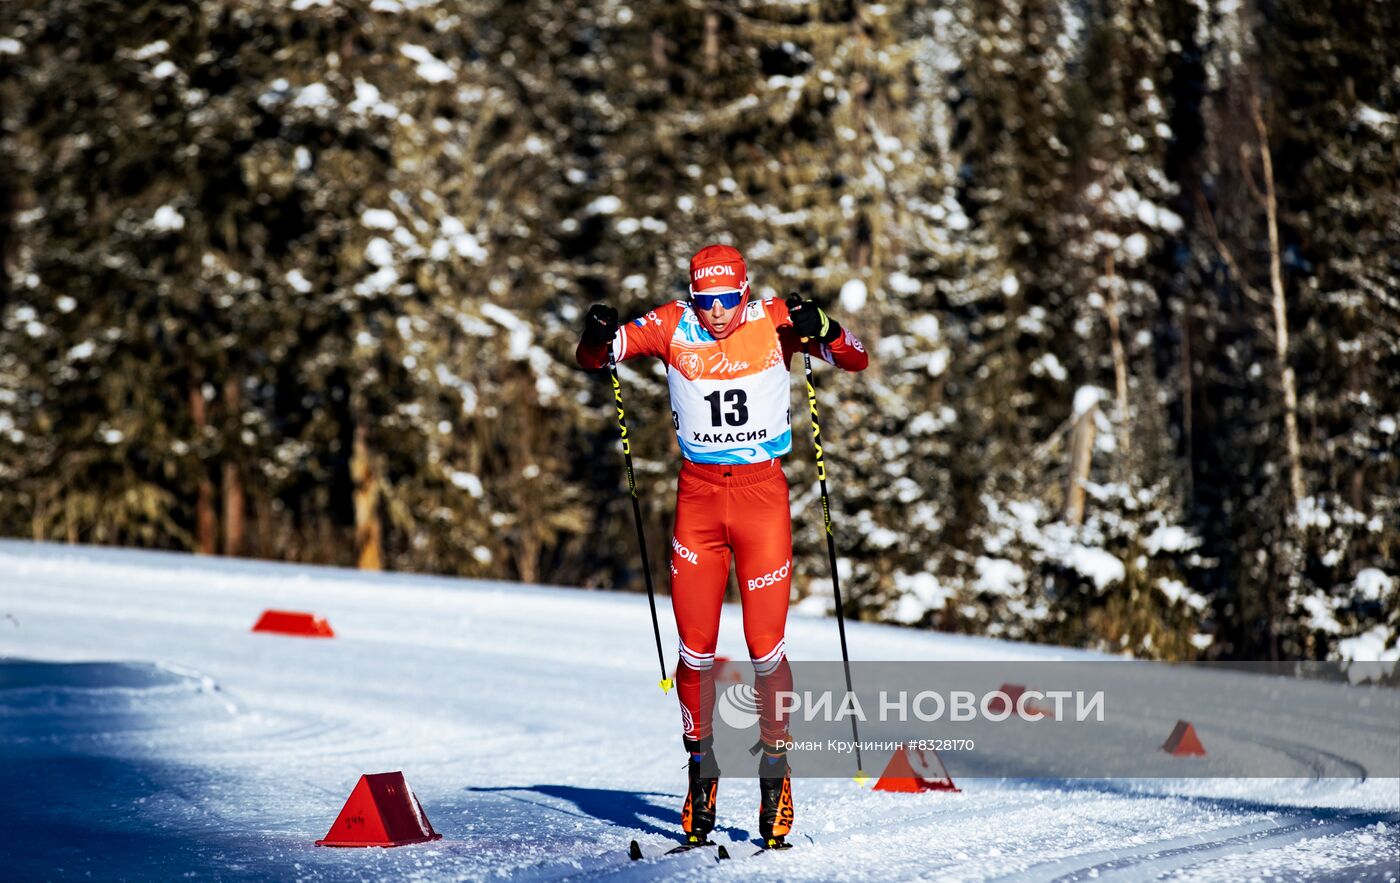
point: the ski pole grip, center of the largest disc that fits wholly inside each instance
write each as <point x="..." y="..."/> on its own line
<point x="794" y="301"/>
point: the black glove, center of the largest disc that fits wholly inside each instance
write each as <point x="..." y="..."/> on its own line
<point x="600" y="325"/>
<point x="809" y="321"/>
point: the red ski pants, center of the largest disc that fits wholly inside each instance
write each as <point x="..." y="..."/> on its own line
<point x="739" y="512"/>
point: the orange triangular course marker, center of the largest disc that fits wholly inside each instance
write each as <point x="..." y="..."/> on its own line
<point x="900" y="775"/>
<point x="724" y="672"/>
<point x="1014" y="692"/>
<point x="381" y="811"/>
<point x="293" y="622"/>
<point x="999" y="705"/>
<point x="1183" y="741"/>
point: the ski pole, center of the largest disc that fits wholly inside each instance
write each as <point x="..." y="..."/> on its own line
<point x="666" y="683"/>
<point x="831" y="552"/>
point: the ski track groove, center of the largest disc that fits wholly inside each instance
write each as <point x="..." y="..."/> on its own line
<point x="1163" y="858"/>
<point x="1306" y="755"/>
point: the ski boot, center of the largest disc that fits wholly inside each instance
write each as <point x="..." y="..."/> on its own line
<point x="775" y="792"/>
<point x="698" y="816"/>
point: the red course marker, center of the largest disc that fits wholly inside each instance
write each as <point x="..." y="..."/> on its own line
<point x="381" y="811"/>
<point x="292" y="622"/>
<point x="724" y="673"/>
<point x="901" y="776"/>
<point x="1183" y="741"/>
<point x="1014" y="693"/>
<point x="999" y="705"/>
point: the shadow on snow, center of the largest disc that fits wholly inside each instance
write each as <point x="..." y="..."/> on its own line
<point x="626" y="809"/>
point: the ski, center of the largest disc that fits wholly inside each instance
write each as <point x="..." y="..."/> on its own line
<point x="634" y="851"/>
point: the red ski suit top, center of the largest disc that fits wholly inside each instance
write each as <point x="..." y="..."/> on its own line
<point x="731" y="403"/>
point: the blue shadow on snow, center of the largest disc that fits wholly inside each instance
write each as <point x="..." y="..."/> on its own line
<point x="627" y="809"/>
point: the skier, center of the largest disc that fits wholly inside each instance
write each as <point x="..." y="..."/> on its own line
<point x="727" y="361"/>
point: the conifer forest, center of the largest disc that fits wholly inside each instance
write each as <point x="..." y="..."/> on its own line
<point x="302" y="280"/>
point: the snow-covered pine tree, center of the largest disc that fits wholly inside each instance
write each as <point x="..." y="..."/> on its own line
<point x="1334" y="100"/>
<point x="717" y="122"/>
<point x="280" y="258"/>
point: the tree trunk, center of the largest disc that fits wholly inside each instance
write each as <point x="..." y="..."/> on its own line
<point x="658" y="52"/>
<point x="368" y="528"/>
<point x="1081" y="457"/>
<point x="206" y="520"/>
<point x="1120" y="363"/>
<point x="9" y="200"/>
<point x="711" y="51"/>
<point x="234" y="500"/>
<point x="37" y="520"/>
<point x="1286" y="377"/>
<point x="528" y="556"/>
<point x="1187" y="411"/>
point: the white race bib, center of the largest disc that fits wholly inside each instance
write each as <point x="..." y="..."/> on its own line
<point x="731" y="400"/>
<point x="740" y="420"/>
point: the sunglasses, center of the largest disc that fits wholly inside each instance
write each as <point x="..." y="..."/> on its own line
<point x="727" y="299"/>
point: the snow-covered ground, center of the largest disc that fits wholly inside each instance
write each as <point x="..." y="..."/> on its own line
<point x="529" y="723"/>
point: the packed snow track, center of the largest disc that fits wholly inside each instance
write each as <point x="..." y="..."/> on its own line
<point x="148" y="734"/>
